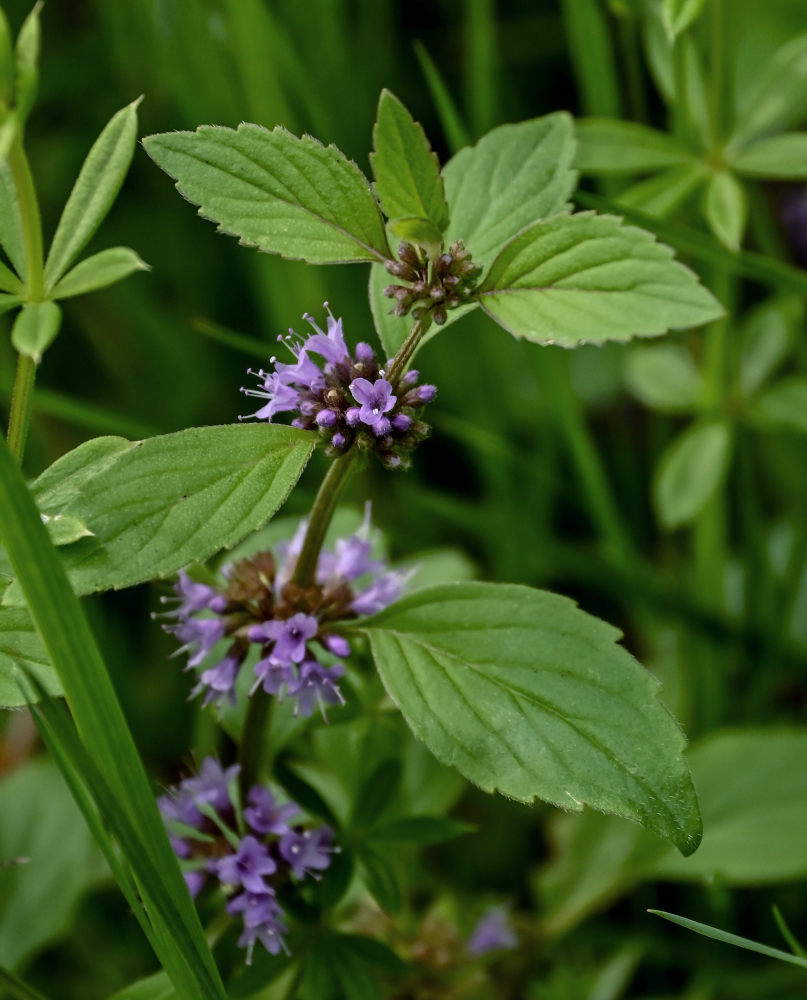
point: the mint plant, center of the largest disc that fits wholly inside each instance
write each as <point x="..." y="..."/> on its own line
<point x="516" y="688"/>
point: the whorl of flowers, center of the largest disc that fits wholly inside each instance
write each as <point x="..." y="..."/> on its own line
<point x="258" y="604"/>
<point x="345" y="397"/>
<point x="208" y="836"/>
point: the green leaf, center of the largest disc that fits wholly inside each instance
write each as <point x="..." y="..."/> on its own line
<point x="35" y="328"/>
<point x="752" y="784"/>
<point x="690" y="472"/>
<point x="157" y="505"/>
<point x="50" y="860"/>
<point x="421" y="232"/>
<point x="779" y="157"/>
<point x="156" y="987"/>
<point x="64" y="529"/>
<point x="678" y="15"/>
<point x="511" y="177"/>
<point x="608" y="146"/>
<point x="767" y="335"/>
<point x="781" y="407"/>
<point x="726" y="208"/>
<point x="420" y="830"/>
<point x="406" y="171"/>
<point x="381" y="880"/>
<point x="9" y="282"/>
<point x="98" y="271"/>
<point x="376" y="794"/>
<point x="665" y="192"/>
<point x="284" y="195"/>
<point x="9" y="302"/>
<point x="777" y="98"/>
<point x="526" y="694"/>
<point x="755" y="266"/>
<point x="96" y="188"/>
<point x="716" y="934"/>
<point x="664" y="377"/>
<point x="110" y="757"/>
<point x="26" y="58"/>
<point x="589" y="278"/>
<point x="6" y="61"/>
<point x="11" y="237"/>
<point x="16" y="989"/>
<point x="21" y="647"/>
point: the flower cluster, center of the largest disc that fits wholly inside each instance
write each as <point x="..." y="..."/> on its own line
<point x="259" y="604"/>
<point x="203" y="825"/>
<point x="451" y="283"/>
<point x="346" y="398"/>
<point x="493" y="932"/>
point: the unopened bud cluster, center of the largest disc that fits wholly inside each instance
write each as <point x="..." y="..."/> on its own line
<point x="432" y="286"/>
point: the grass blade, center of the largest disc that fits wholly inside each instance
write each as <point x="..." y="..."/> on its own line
<point x="739" y="942"/>
<point x="105" y="736"/>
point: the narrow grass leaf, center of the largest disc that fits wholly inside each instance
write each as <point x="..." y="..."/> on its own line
<point x="96" y="188"/>
<point x="454" y="130"/>
<point x="294" y="197"/>
<point x="16" y="989"/>
<point x="527" y="695"/>
<point x="104" y="734"/>
<point x="589" y="278"/>
<point x="407" y="173"/>
<point x="511" y="177"/>
<point x="98" y="271"/>
<point x="716" y="934"/>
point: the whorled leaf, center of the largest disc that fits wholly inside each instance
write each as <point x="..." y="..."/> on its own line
<point x="588" y="277"/>
<point x="284" y="195"/>
<point x="514" y="175"/>
<point x="690" y="471"/>
<point x="527" y="695"/>
<point x="96" y="188"/>
<point x="98" y="271"/>
<point x="156" y="505"/>
<point x="610" y="146"/>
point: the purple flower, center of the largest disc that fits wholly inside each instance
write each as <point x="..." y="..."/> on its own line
<point x="264" y="814"/>
<point x="315" y="686"/>
<point x="330" y="345"/>
<point x="493" y="932"/>
<point x="307" y="852"/>
<point x="193" y="596"/>
<point x="247" y="866"/>
<point x="381" y="593"/>
<point x="219" y="681"/>
<point x="375" y="398"/>
<point x="195" y="881"/>
<point x="198" y="637"/>
<point x="289" y="636"/>
<point x="262" y="922"/>
<point x="272" y="674"/>
<point x="211" y="786"/>
<point x="180" y="807"/>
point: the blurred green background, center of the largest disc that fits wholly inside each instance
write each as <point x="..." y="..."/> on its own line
<point x="540" y="463"/>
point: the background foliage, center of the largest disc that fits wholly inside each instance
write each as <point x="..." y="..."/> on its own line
<point x="572" y="471"/>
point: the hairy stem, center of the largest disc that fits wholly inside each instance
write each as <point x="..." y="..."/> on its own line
<point x="320" y="518"/>
<point x="407" y="349"/>
<point x="259" y="710"/>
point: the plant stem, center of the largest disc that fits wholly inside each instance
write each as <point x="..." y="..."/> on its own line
<point x="407" y="349"/>
<point x="320" y="518"/>
<point x="259" y="710"/>
<point x="20" y="415"/>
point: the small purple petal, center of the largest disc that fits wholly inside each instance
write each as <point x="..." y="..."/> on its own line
<point x="337" y="645"/>
<point x="264" y="814"/>
<point x="247" y="866"/>
<point x="493" y="932"/>
<point x="307" y="852"/>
